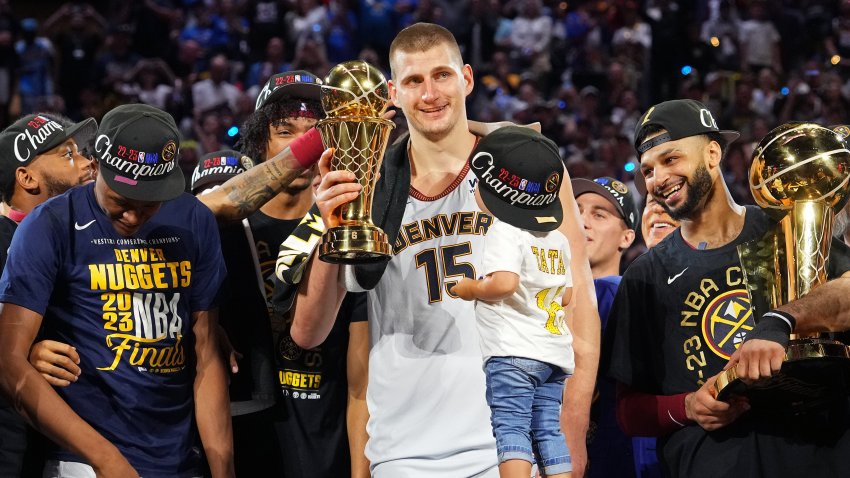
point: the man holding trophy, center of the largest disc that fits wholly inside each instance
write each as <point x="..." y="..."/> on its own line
<point x="683" y="309"/>
<point x="426" y="393"/>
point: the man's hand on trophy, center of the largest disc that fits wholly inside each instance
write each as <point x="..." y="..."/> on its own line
<point x="757" y="359"/>
<point x="703" y="408"/>
<point x="762" y="353"/>
<point x="335" y="189"/>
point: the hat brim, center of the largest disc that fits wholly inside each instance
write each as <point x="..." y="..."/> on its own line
<point x="583" y="186"/>
<point x="308" y="91"/>
<point x="82" y="132"/>
<point x="158" y="190"/>
<point x="542" y="220"/>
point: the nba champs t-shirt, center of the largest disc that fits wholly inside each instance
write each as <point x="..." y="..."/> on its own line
<point x="126" y="304"/>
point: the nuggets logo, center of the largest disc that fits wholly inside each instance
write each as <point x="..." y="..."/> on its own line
<point x="246" y="162"/>
<point x="552" y="182"/>
<point x="619" y="187"/>
<point x="169" y="151"/>
<point x="288" y="349"/>
<point x="726" y="322"/>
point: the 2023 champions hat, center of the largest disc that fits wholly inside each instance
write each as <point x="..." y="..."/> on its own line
<point x="217" y="167"/>
<point x="680" y="119"/>
<point x="519" y="176"/>
<point x="137" y="147"/>
<point x="616" y="192"/>
<point x="34" y="135"/>
<point x="296" y="84"/>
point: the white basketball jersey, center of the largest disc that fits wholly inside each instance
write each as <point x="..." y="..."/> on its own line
<point x="426" y="394"/>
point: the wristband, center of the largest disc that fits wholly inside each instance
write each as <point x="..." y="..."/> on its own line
<point x="775" y="326"/>
<point x="308" y="148"/>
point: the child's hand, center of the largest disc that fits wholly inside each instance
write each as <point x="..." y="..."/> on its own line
<point x="465" y="289"/>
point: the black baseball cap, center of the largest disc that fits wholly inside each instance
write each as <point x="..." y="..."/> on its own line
<point x="294" y="84"/>
<point x="680" y="119"/>
<point x="217" y="167"/>
<point x="519" y="176"/>
<point x="136" y="148"/>
<point x="35" y="134"/>
<point x="616" y="192"/>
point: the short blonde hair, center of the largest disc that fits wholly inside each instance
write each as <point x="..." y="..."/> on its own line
<point x="421" y="37"/>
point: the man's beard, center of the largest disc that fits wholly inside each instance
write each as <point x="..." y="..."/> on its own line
<point x="55" y="187"/>
<point x="698" y="187"/>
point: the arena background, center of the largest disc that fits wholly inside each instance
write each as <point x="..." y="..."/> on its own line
<point x="584" y="69"/>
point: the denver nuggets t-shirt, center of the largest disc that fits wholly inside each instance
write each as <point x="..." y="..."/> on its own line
<point x="126" y="304"/>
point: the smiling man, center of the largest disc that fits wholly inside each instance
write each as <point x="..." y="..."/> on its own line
<point x="426" y="389"/>
<point x="682" y="310"/>
<point x="128" y="270"/>
<point x="41" y="159"/>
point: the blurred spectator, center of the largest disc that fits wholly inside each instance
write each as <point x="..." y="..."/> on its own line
<point x="235" y="27"/>
<point x="759" y="40"/>
<point x="721" y="32"/>
<point x="765" y="93"/>
<point x="274" y="62"/>
<point x="477" y="40"/>
<point x="154" y="21"/>
<point x="309" y="16"/>
<point x="215" y="90"/>
<point x="267" y="21"/>
<point x="77" y="30"/>
<point x="9" y="29"/>
<point x="150" y="82"/>
<point x="377" y="24"/>
<point x="117" y="58"/>
<point x="342" y="40"/>
<point x="36" y="70"/>
<point x="837" y="42"/>
<point x="311" y="55"/>
<point x="201" y="28"/>
<point x="531" y="35"/>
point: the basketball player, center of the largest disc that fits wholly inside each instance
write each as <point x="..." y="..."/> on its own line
<point x="680" y="312"/>
<point x="426" y="387"/>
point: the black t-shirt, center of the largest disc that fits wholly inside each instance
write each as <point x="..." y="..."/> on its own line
<point x="313" y="383"/>
<point x="678" y="315"/>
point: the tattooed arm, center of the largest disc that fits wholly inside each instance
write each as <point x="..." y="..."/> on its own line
<point x="245" y="193"/>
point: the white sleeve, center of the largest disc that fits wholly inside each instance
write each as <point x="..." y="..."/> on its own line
<point x="502" y="249"/>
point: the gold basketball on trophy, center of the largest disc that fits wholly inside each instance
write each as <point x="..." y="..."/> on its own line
<point x="354" y="96"/>
<point x="355" y="88"/>
<point x="800" y="162"/>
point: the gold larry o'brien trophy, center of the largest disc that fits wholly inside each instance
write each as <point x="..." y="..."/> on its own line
<point x="799" y="174"/>
<point x="354" y="96"/>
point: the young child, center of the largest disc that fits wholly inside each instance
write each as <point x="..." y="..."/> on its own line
<point x="525" y="341"/>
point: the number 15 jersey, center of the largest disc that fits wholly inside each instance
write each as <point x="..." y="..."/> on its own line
<point x="426" y="395"/>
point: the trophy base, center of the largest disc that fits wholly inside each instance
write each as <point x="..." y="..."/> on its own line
<point x="815" y="371"/>
<point x="362" y="244"/>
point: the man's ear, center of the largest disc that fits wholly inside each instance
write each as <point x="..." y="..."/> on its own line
<point x="26" y="180"/>
<point x="714" y="154"/>
<point x="627" y="239"/>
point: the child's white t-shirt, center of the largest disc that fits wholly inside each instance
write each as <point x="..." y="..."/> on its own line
<point x="531" y="322"/>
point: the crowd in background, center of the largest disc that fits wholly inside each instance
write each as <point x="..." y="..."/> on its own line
<point x="585" y="69"/>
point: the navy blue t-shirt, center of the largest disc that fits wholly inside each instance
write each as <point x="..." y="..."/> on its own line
<point x="126" y="304"/>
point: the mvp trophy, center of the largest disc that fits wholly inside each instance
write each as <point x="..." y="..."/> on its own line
<point x="354" y="96"/>
<point x="799" y="174"/>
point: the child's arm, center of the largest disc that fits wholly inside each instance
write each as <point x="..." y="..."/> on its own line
<point x="495" y="286"/>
